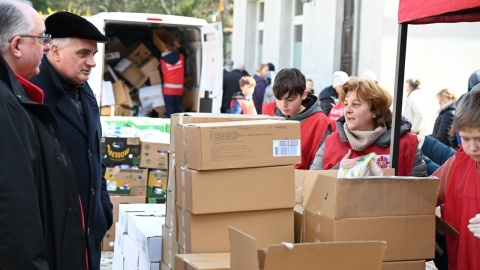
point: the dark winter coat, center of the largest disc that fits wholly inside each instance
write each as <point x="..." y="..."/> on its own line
<point x="259" y="92"/>
<point x="231" y="85"/>
<point x="444" y="123"/>
<point x="328" y="98"/>
<point x="40" y="215"/>
<point x="83" y="143"/>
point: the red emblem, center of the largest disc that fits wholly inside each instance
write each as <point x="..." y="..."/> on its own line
<point x="383" y="162"/>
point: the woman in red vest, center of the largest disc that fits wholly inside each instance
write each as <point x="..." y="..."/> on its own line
<point x="364" y="128"/>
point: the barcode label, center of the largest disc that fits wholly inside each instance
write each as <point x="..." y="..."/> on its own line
<point x="286" y="148"/>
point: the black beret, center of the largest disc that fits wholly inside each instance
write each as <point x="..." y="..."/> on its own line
<point x="65" y="24"/>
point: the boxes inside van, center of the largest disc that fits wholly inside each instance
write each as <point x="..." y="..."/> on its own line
<point x="135" y="48"/>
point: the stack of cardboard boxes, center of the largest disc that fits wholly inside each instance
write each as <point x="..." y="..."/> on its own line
<point x="398" y="210"/>
<point x="137" y="164"/>
<point x="226" y="174"/>
<point x="138" y="238"/>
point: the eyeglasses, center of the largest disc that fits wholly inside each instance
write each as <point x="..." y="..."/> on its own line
<point x="45" y="38"/>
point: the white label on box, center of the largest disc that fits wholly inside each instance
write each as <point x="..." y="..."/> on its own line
<point x="122" y="65"/>
<point x="286" y="148"/>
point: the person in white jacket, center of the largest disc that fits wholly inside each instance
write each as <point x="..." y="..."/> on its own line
<point x="415" y="107"/>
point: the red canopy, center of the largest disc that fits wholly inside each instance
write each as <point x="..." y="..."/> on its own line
<point x="438" y="11"/>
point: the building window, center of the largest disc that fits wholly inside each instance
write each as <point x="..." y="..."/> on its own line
<point x="297" y="33"/>
<point x="298" y="8"/>
<point x="260" y="46"/>
<point x="260" y="28"/>
<point x="261" y="11"/>
<point x="297" y="46"/>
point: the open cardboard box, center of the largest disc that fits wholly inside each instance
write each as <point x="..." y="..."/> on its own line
<point x="244" y="255"/>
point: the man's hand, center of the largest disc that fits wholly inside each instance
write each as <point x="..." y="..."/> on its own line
<point x="474" y="225"/>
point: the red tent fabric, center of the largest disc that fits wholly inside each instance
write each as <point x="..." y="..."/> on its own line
<point x="438" y="11"/>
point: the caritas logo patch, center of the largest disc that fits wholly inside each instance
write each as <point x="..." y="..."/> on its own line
<point x="383" y="161"/>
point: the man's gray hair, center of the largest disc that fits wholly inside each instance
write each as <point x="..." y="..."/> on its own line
<point x="13" y="21"/>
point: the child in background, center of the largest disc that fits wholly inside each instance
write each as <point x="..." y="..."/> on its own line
<point x="460" y="188"/>
<point x="294" y="103"/>
<point x="242" y="102"/>
<point x="309" y="88"/>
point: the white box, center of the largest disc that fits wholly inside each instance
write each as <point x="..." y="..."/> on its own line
<point x="144" y="264"/>
<point x="144" y="217"/>
<point x="137" y="207"/>
<point x="130" y="252"/>
<point x="148" y="236"/>
<point x="118" y="249"/>
<point x="108" y="98"/>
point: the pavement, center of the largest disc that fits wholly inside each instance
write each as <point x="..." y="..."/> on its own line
<point x="106" y="260"/>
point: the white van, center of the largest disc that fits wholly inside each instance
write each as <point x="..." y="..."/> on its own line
<point x="203" y="43"/>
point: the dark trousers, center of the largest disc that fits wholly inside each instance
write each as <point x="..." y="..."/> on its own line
<point x="173" y="104"/>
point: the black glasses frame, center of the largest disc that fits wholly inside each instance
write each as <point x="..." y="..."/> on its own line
<point x="45" y="38"/>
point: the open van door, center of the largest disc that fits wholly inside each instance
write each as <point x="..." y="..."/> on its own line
<point x="96" y="77"/>
<point x="211" y="80"/>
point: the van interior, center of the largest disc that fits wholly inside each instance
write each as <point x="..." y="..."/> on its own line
<point x="189" y="37"/>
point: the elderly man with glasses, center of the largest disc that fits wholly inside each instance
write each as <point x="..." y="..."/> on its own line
<point x="40" y="213"/>
<point x="63" y="77"/>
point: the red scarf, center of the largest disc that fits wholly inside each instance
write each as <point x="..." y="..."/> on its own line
<point x="34" y="92"/>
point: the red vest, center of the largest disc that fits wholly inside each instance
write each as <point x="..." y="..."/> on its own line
<point x="248" y="107"/>
<point x="462" y="202"/>
<point x="173" y="76"/>
<point x="335" y="150"/>
<point x="336" y="111"/>
<point x="269" y="108"/>
<point x="312" y="131"/>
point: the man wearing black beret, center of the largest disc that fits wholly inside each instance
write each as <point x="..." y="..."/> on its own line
<point x="64" y="72"/>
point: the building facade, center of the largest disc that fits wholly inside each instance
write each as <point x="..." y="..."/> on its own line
<point x="322" y="36"/>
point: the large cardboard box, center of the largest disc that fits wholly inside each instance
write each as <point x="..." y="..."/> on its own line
<point x="169" y="246"/>
<point x="139" y="54"/>
<point x="208" y="233"/>
<point x="127" y="181"/>
<point x="151" y="63"/>
<point x="108" y="240"/>
<point x="131" y="73"/>
<point x="341" y="198"/>
<point x="244" y="255"/>
<point x="122" y="94"/>
<point x="241" y="144"/>
<point x="407" y="237"/>
<point x="404" y="265"/>
<point x="202" y="261"/>
<point x="154" y="155"/>
<point x="188" y="118"/>
<point x="161" y="37"/>
<point x="247" y="189"/>
<point x="399" y="210"/>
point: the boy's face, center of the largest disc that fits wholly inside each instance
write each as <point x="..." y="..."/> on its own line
<point x="291" y="106"/>
<point x="471" y="142"/>
<point x="247" y="90"/>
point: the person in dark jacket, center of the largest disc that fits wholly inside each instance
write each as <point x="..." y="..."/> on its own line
<point x="63" y="77"/>
<point x="444" y="121"/>
<point x="40" y="214"/>
<point x="261" y="85"/>
<point x="231" y="86"/>
<point x="329" y="96"/>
